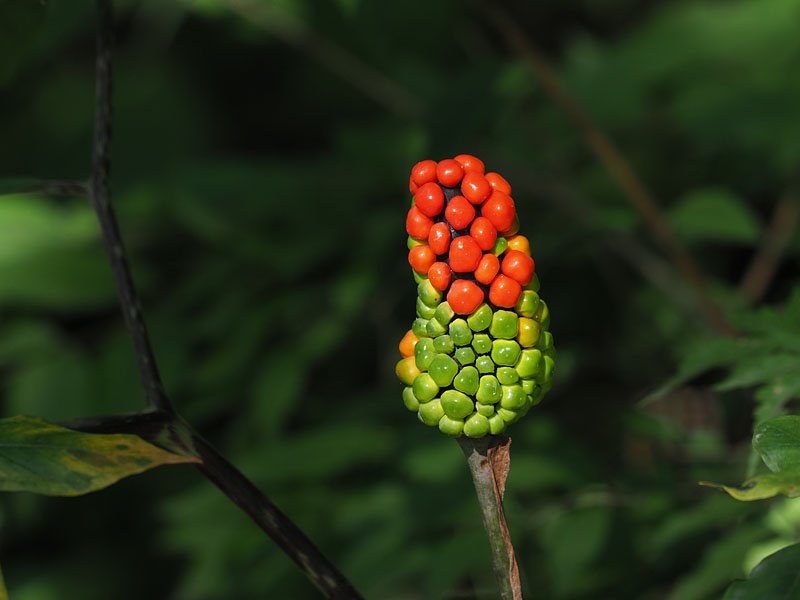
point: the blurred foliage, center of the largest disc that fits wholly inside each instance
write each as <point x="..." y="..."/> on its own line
<point x="261" y="188"/>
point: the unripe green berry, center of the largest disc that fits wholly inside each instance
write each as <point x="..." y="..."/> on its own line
<point x="514" y="397"/>
<point x="496" y="425"/>
<point x="509" y="416"/>
<point x="476" y="426"/>
<point x="460" y="332"/>
<point x="507" y="375"/>
<point x="530" y="363"/>
<point x="504" y="325"/>
<point x="457" y="405"/>
<point x="465" y="356"/>
<point x="500" y="245"/>
<point x="528" y="304"/>
<point x="424" y="311"/>
<point x="410" y="400"/>
<point x="484" y="364"/>
<point x="489" y="390"/>
<point x="431" y="412"/>
<point x="487" y="410"/>
<point x="528" y="385"/>
<point x="481" y="318"/>
<point x="443" y="344"/>
<point x="434" y="328"/>
<point x="444" y="314"/>
<point x="505" y="352"/>
<point x="443" y="369"/>
<point x="482" y="343"/>
<point x="451" y="427"/>
<point x="429" y="294"/>
<point x="467" y="381"/>
<point x="425" y="388"/>
<point x="419" y="328"/>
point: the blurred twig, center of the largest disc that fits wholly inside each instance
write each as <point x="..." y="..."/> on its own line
<point x="54" y="187"/>
<point x="620" y="169"/>
<point x="339" y="60"/>
<point x="762" y="268"/>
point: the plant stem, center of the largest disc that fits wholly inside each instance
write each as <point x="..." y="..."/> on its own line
<point x="488" y="475"/>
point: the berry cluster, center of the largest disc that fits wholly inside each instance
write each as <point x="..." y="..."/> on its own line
<point x="470" y="365"/>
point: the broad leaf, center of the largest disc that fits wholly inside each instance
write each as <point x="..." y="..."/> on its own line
<point x="36" y="456"/>
<point x="777" y="577"/>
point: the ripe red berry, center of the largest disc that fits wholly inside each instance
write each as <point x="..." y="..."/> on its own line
<point x="487" y="269"/>
<point x="412" y="187"/>
<point x="498" y="183"/>
<point x="465" y="254"/>
<point x="439" y="238"/>
<point x="470" y="163"/>
<point x="500" y="210"/>
<point x="449" y="172"/>
<point x="464" y="296"/>
<point x="504" y="292"/>
<point x="439" y="275"/>
<point x="484" y="233"/>
<point x="423" y="172"/>
<point x="421" y="258"/>
<point x="475" y="187"/>
<point x="418" y="225"/>
<point x="519" y="266"/>
<point x="429" y="199"/>
<point x="459" y="213"/>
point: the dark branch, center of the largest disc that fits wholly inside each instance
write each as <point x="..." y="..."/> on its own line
<point x="112" y="240"/>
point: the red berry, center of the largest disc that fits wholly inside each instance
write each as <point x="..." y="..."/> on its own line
<point x="465" y="254"/>
<point x="487" y="269"/>
<point x="439" y="275"/>
<point x="464" y="296"/>
<point x="418" y="225"/>
<point x="519" y="266"/>
<point x="439" y="238"/>
<point x="514" y="229"/>
<point x="484" y="233"/>
<point x="475" y="187"/>
<point x="424" y="172"/>
<point x="498" y="182"/>
<point x="459" y="212"/>
<point x="470" y="163"/>
<point x="504" y="292"/>
<point x="500" y="210"/>
<point x="412" y="187"/>
<point x="421" y="258"/>
<point x="429" y="199"/>
<point x="449" y="172"/>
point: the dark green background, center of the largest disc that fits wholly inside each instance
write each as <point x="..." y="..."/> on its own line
<point x="261" y="159"/>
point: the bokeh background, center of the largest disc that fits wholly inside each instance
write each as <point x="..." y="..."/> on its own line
<point x="261" y="160"/>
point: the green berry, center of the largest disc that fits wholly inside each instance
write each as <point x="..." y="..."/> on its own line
<point x="465" y="356"/>
<point x="529" y="332"/>
<point x="507" y="375"/>
<point x="500" y="245"/>
<point x="460" y="332"/>
<point x="444" y="314"/>
<point x="411" y="242"/>
<point x="537" y="395"/>
<point x="489" y="390"/>
<point x="419" y="328"/>
<point x="418" y="277"/>
<point x="424" y="353"/>
<point x="431" y="412"/>
<point x="545" y="342"/>
<point x="528" y="303"/>
<point x="484" y="364"/>
<point x="534" y="284"/>
<point x="451" y="427"/>
<point x="543" y="314"/>
<point x="429" y="294"/>
<point x="481" y="318"/>
<point x="434" y="328"/>
<point x="514" y="397"/>
<point x="443" y="369"/>
<point x="457" y="405"/>
<point x="509" y="416"/>
<point x="476" y="426"/>
<point x="496" y="425"/>
<point x="530" y="362"/>
<point x="487" y="410"/>
<point x="505" y="352"/>
<point x="528" y="386"/>
<point x="467" y="381"/>
<point x="425" y="388"/>
<point x="424" y="311"/>
<point x="410" y="400"/>
<point x="504" y="325"/>
<point x="444" y="344"/>
<point x="482" y="343"/>
<point x="547" y="374"/>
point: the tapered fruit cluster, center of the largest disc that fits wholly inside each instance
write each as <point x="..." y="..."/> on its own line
<point x="479" y="355"/>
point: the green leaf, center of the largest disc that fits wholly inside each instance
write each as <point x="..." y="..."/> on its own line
<point x="39" y="457"/>
<point x="776" y="577"/>
<point x="714" y="215"/>
<point x="763" y="486"/>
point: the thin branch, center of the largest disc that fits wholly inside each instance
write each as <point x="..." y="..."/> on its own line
<point x="761" y="270"/>
<point x="617" y="165"/>
<point x="489" y="460"/>
<point x="112" y="240"/>
<point x="56" y="187"/>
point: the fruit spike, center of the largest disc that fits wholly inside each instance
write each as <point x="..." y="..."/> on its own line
<point x="479" y="355"/>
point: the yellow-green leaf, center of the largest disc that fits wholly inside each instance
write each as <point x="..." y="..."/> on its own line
<point x="763" y="486"/>
<point x="37" y="456"/>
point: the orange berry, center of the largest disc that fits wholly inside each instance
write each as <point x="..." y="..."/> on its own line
<point x="429" y="199"/>
<point x="464" y="296"/>
<point x="407" y="344"/>
<point x="459" y="213"/>
<point x="421" y="258"/>
<point x="484" y="233"/>
<point x="475" y="187"/>
<point x="449" y="172"/>
<point x="500" y="210"/>
<point x="519" y="266"/>
<point x="424" y="172"/>
<point x="439" y="275"/>
<point x="504" y="292"/>
<point x="439" y="238"/>
<point x="465" y="254"/>
<point x="470" y="163"/>
<point x="498" y="182"/>
<point x="487" y="269"/>
<point x="519" y="242"/>
<point x="418" y="225"/>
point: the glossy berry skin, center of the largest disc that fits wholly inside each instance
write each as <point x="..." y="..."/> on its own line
<point x="465" y="254"/>
<point x="407" y="344"/>
<point x="504" y="291"/>
<point x="464" y="296"/>
<point x="423" y="172"/>
<point x="487" y="269"/>
<point x="421" y="258"/>
<point x="498" y="183"/>
<point x="449" y="172"/>
<point x="440" y="275"/>
<point x="459" y="213"/>
<point x="418" y="225"/>
<point x="475" y="187"/>
<point x="521" y="243"/>
<point x="500" y="210"/>
<point x="439" y="238"/>
<point x="471" y="164"/>
<point x="484" y="233"/>
<point x="429" y="199"/>
<point x="518" y="266"/>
